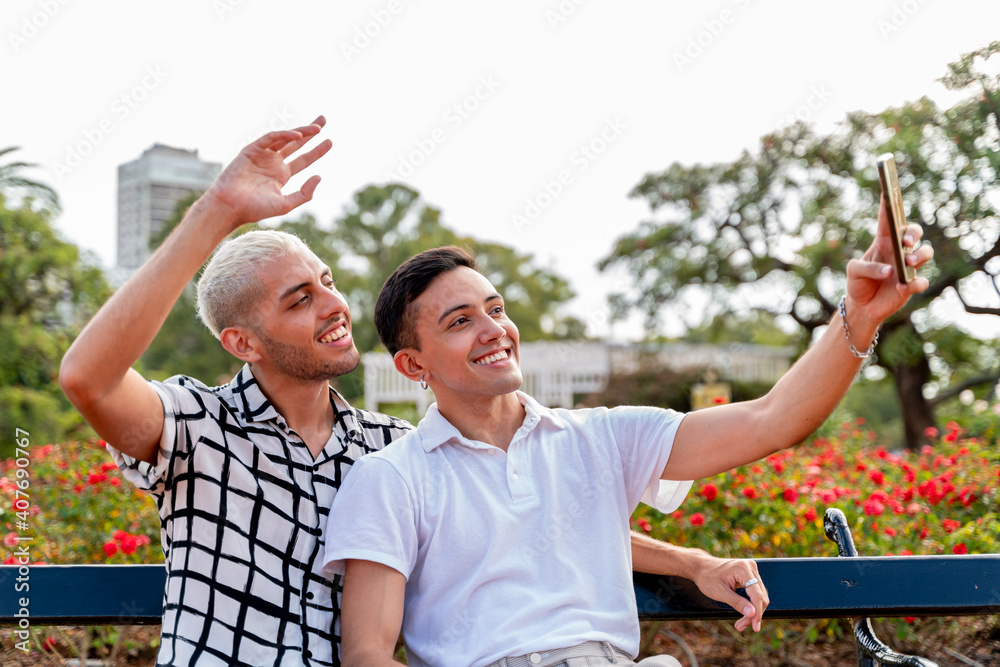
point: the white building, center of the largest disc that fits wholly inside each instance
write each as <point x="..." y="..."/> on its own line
<point x="148" y="191"/>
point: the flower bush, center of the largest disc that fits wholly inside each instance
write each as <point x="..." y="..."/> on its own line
<point x="81" y="509"/>
<point x="941" y="500"/>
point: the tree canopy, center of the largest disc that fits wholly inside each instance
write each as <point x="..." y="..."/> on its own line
<point x="48" y="290"/>
<point x="788" y="216"/>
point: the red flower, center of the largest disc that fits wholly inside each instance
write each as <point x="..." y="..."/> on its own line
<point x="960" y="549"/>
<point x="697" y="519"/>
<point x="950" y="525"/>
<point x="119" y="534"/>
<point x="810" y="514"/>
<point x="129" y="544"/>
<point x="874" y="507"/>
<point x="709" y="492"/>
<point x="876" y="476"/>
<point x="791" y="495"/>
<point x="645" y="525"/>
<point x="931" y="432"/>
<point x="110" y="548"/>
<point x="749" y="492"/>
<point x="891" y="532"/>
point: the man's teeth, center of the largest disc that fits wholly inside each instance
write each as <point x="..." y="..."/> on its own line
<point x="336" y="334"/>
<point x="502" y="354"/>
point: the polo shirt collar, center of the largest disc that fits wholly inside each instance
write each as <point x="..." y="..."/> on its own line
<point x="255" y="407"/>
<point x="435" y="430"/>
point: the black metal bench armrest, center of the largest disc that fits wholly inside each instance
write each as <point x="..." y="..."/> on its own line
<point x="871" y="650"/>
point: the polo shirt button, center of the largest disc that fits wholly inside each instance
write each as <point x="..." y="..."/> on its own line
<point x="515" y="476"/>
<point x="535" y="658"/>
<point x="492" y="451"/>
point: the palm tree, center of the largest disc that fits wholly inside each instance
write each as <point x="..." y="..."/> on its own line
<point x="13" y="184"/>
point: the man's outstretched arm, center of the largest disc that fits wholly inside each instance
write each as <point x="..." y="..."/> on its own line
<point x="725" y="437"/>
<point x="96" y="372"/>
<point x="717" y="578"/>
<point x="371" y="613"/>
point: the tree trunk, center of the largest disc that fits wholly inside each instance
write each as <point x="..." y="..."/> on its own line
<point x="918" y="413"/>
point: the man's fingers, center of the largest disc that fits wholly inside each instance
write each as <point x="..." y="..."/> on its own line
<point x="303" y="161"/>
<point x="861" y="268"/>
<point x="277" y="139"/>
<point x="300" y="197"/>
<point x="307" y="132"/>
<point x="921" y="255"/>
<point x="758" y="595"/>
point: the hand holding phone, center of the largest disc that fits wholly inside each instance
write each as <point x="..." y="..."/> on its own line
<point x="897" y="219"/>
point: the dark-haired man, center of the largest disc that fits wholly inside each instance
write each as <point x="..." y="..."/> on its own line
<point x="446" y="533"/>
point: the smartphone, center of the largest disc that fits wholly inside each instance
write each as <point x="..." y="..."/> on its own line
<point x="897" y="219"/>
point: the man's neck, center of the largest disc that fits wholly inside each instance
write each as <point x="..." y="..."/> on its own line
<point x="493" y="420"/>
<point x="305" y="406"/>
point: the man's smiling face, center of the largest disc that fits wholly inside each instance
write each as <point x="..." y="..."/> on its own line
<point x="304" y="323"/>
<point x="468" y="346"/>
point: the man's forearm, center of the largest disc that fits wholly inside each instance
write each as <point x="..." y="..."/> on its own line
<point x="712" y="441"/>
<point x="657" y="557"/>
<point x="808" y="393"/>
<point x="125" y="326"/>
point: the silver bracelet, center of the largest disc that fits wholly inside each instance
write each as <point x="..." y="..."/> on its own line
<point x="847" y="334"/>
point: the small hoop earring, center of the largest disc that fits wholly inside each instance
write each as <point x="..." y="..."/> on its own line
<point x="423" y="382"/>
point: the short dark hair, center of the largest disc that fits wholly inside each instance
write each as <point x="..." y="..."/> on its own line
<point x="394" y="316"/>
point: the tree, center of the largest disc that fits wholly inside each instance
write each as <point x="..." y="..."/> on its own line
<point x="15" y="185"/>
<point x="789" y="216"/>
<point x="48" y="290"/>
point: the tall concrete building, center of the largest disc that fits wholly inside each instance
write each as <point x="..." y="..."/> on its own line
<point x="148" y="191"/>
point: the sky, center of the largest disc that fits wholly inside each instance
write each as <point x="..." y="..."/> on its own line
<point x="526" y="123"/>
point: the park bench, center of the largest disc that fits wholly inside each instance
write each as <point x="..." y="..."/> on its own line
<point x="849" y="586"/>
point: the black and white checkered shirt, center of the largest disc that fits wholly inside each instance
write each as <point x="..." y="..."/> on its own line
<point x="243" y="506"/>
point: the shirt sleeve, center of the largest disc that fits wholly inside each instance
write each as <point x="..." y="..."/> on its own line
<point x="177" y="400"/>
<point x="373" y="519"/>
<point x="645" y="438"/>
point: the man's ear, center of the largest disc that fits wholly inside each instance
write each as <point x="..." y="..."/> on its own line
<point x="241" y="342"/>
<point x="407" y="362"/>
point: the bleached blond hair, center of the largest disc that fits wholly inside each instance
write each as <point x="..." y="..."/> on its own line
<point x="229" y="290"/>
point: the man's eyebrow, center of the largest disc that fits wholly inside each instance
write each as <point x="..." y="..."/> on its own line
<point x="492" y="297"/>
<point x="295" y="288"/>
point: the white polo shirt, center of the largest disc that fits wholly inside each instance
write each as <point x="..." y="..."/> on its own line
<point x="509" y="553"/>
